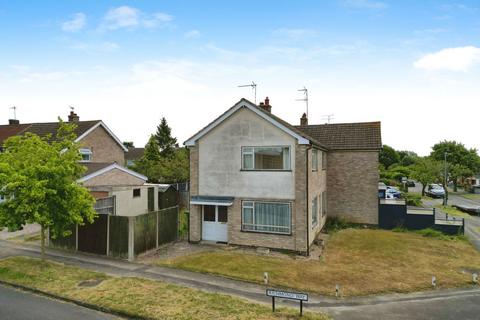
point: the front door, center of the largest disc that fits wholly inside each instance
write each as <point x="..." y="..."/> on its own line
<point x="214" y="223"/>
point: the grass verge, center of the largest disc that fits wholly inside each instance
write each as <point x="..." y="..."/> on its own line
<point x="452" y="211"/>
<point x="145" y="298"/>
<point x="471" y="196"/>
<point x="361" y="261"/>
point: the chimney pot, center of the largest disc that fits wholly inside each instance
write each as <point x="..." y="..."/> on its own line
<point x="304" y="120"/>
<point x="73" y="117"/>
<point x="13" y="121"/>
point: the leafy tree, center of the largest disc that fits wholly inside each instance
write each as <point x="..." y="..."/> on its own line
<point x="427" y="170"/>
<point x="388" y="156"/>
<point x="166" y="170"/>
<point x="39" y="183"/>
<point x="461" y="162"/>
<point x="407" y="158"/>
<point x="165" y="141"/>
<point x="128" y="144"/>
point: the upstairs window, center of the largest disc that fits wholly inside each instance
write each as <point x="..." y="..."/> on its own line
<point x="314" y="159"/>
<point x="266" y="158"/>
<point x="86" y="155"/>
<point x="324" y="160"/>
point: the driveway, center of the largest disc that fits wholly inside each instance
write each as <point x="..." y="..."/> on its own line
<point x="21" y="305"/>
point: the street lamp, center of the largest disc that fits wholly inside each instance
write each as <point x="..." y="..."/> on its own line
<point x="445" y="198"/>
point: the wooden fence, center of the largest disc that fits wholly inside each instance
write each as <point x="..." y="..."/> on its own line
<point x="121" y="236"/>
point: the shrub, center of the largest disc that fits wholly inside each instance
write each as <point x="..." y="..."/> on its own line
<point x="413" y="199"/>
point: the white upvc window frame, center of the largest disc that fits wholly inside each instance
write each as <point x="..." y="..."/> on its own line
<point x="315" y="212"/>
<point x="252" y="207"/>
<point x="315" y="159"/>
<point x="86" y="151"/>
<point x="250" y="150"/>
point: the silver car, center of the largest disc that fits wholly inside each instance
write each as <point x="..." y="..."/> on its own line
<point x="435" y="191"/>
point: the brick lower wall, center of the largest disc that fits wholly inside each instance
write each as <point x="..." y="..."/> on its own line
<point x="352" y="186"/>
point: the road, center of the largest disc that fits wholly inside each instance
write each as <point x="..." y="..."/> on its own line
<point x="19" y="305"/>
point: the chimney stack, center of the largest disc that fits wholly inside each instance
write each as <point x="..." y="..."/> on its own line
<point x="73" y="117"/>
<point x="13" y="121"/>
<point x="266" y="105"/>
<point x="304" y="120"/>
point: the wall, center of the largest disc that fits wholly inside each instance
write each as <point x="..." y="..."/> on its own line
<point x="220" y="159"/>
<point x="127" y="205"/>
<point x="317" y="183"/>
<point x="114" y="177"/>
<point x="104" y="148"/>
<point x="352" y="183"/>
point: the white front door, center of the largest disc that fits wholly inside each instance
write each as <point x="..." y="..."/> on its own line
<point x="214" y="223"/>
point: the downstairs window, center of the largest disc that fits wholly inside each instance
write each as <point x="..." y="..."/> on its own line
<point x="271" y="217"/>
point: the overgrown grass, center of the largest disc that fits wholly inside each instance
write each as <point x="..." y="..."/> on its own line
<point x="452" y="211"/>
<point x="334" y="224"/>
<point x="362" y="262"/>
<point x="136" y="296"/>
<point x="183" y="223"/>
<point x="26" y="238"/>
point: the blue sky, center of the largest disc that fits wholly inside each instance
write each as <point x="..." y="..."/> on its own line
<point x="414" y="65"/>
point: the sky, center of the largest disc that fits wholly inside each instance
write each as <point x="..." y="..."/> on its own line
<point x="413" y="65"/>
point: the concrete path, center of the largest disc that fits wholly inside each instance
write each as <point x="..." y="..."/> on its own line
<point x="28" y="229"/>
<point x="20" y="305"/>
<point x="341" y="308"/>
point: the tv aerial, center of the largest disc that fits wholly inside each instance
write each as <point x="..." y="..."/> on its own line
<point x="253" y="85"/>
<point x="14" y="108"/>
<point x="328" y="117"/>
<point x="305" y="97"/>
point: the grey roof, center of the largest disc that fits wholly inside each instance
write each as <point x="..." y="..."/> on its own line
<point x="95" y="166"/>
<point x="134" y="153"/>
<point x="347" y="136"/>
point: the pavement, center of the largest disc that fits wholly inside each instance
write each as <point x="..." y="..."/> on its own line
<point x="20" y="305"/>
<point x="436" y="304"/>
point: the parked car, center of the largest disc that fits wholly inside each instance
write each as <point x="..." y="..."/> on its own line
<point x="410" y="183"/>
<point x="393" y="193"/>
<point x="435" y="191"/>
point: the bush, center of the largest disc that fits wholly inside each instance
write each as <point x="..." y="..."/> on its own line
<point x="413" y="199"/>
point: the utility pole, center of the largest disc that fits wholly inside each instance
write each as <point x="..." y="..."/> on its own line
<point x="445" y="195"/>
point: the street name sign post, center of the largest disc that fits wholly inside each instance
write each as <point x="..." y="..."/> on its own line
<point x="287" y="295"/>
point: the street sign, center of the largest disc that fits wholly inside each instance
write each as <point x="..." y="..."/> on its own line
<point x="287" y="295"/>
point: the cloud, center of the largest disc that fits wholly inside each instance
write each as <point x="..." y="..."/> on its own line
<point x="130" y="18"/>
<point x="294" y="34"/>
<point x="102" y="47"/>
<point x="76" y="24"/>
<point x="365" y="4"/>
<point x="450" y="59"/>
<point x="192" y="34"/>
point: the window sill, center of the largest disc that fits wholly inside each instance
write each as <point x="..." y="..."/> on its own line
<point x="266" y="232"/>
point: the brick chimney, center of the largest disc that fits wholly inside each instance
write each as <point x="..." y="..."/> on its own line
<point x="304" y="120"/>
<point x="13" y="121"/>
<point x="266" y="105"/>
<point x="73" y="117"/>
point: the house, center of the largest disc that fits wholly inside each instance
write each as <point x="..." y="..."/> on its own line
<point x="132" y="155"/>
<point x="256" y="180"/>
<point x="102" y="152"/>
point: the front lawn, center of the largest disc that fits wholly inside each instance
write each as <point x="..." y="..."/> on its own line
<point x="361" y="261"/>
<point x="147" y="298"/>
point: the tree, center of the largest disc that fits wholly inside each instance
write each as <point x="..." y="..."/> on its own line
<point x="165" y="141"/>
<point x="407" y="158"/>
<point x="128" y="144"/>
<point x="39" y="184"/>
<point x="459" y="158"/>
<point x="388" y="156"/>
<point x="427" y="170"/>
<point x="152" y="152"/>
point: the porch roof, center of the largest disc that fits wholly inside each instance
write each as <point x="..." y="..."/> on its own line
<point x="212" y="200"/>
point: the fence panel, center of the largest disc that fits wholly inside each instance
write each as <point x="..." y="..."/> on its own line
<point x="118" y="237"/>
<point x="167" y="225"/>
<point x="145" y="232"/>
<point x="92" y="238"/>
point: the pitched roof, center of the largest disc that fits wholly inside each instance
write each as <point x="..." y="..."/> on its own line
<point x="134" y="153"/>
<point x="43" y="129"/>
<point x="303" y="138"/>
<point x="95" y="166"/>
<point x="347" y="136"/>
<point x="108" y="167"/>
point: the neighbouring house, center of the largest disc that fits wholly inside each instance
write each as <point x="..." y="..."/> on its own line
<point x="256" y="180"/>
<point x="132" y="155"/>
<point x="102" y="152"/>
